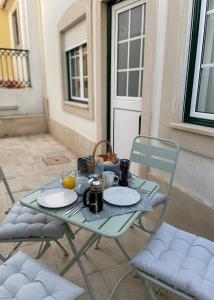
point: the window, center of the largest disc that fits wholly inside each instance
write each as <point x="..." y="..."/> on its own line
<point x="15" y="26"/>
<point x="78" y="74"/>
<point x="199" y="107"/>
<point x="130" y="52"/>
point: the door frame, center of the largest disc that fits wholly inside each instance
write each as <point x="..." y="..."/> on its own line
<point x="110" y="4"/>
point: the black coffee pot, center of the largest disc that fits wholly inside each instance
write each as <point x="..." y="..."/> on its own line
<point x="93" y="196"/>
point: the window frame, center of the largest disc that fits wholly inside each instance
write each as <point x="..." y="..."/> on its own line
<point x="193" y="71"/>
<point x="81" y="76"/>
<point x="16" y="28"/>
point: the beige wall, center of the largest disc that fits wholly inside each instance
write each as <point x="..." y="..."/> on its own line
<point x="4" y="30"/>
<point x="54" y="14"/>
<point x="194" y="174"/>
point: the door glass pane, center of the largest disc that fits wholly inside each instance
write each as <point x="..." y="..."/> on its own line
<point x="85" y="87"/>
<point x="123" y="23"/>
<point x="122" y="55"/>
<point x="134" y="57"/>
<point x="133" y="83"/>
<point x="208" y="56"/>
<point x="211" y="4"/>
<point x="121" y="83"/>
<point x="136" y="21"/>
<point x="205" y="101"/>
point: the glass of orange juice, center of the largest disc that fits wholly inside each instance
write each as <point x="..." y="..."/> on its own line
<point x="69" y="182"/>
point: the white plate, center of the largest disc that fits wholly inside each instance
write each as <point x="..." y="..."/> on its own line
<point x="55" y="198"/>
<point x="121" y="196"/>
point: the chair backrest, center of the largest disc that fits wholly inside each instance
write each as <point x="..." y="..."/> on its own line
<point x="157" y="153"/>
<point x="3" y="178"/>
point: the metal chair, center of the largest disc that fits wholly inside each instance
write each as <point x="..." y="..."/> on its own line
<point x="23" y="224"/>
<point x="176" y="261"/>
<point x="162" y="155"/>
<point x="155" y="153"/>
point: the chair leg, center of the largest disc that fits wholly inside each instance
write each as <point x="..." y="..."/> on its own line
<point x="3" y="258"/>
<point x="122" y="249"/>
<point x="42" y="249"/>
<point x="118" y="284"/>
<point x="62" y="248"/>
<point x="151" y="291"/>
<point x="97" y="243"/>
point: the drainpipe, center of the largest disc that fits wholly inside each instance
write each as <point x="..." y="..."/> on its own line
<point x="42" y="57"/>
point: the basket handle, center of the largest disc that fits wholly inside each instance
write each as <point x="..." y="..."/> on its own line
<point x="95" y="149"/>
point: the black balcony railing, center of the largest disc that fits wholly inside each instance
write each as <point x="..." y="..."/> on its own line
<point x="14" y="68"/>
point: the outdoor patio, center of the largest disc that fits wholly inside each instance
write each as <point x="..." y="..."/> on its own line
<point x="22" y="159"/>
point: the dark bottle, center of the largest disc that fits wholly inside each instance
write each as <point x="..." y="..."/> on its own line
<point x="124" y="171"/>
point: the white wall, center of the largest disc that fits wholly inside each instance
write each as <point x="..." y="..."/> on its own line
<point x="51" y="11"/>
<point x="194" y="175"/>
<point x="28" y="100"/>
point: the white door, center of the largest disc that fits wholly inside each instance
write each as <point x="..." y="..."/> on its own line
<point x="127" y="52"/>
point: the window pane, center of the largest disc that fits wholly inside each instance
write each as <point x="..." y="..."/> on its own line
<point x="86" y="87"/>
<point x="122" y="55"/>
<point x="208" y="56"/>
<point x="206" y="91"/>
<point x="133" y="83"/>
<point x="77" y="66"/>
<point x="123" y="21"/>
<point x="141" y="84"/>
<point x="74" y="88"/>
<point x="134" y="57"/>
<point x="211" y="4"/>
<point x="84" y="49"/>
<point x="121" y="83"/>
<point x="85" y="66"/>
<point x="142" y="61"/>
<point x="136" y="21"/>
<point x="73" y="68"/>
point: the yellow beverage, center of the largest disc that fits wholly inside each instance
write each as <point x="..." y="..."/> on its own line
<point x="69" y="182"/>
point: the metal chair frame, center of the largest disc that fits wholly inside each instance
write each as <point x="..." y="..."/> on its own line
<point x="161" y="158"/>
<point x="164" y="159"/>
<point x="45" y="241"/>
<point x="157" y="157"/>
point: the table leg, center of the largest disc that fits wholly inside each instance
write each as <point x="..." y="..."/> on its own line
<point x="122" y="249"/>
<point x="76" y="258"/>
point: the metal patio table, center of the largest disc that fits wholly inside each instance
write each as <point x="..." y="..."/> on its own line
<point x="112" y="227"/>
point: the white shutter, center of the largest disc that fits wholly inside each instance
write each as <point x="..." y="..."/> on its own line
<point x="75" y="36"/>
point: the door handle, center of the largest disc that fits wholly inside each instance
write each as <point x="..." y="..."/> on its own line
<point x="139" y="124"/>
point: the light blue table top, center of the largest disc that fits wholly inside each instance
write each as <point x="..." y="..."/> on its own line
<point x="112" y="227"/>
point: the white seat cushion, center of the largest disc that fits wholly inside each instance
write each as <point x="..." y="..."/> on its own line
<point x="23" y="278"/>
<point x="181" y="259"/>
<point x="23" y="222"/>
<point x="158" y="199"/>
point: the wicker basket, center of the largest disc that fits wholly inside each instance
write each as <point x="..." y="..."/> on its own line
<point x="109" y="156"/>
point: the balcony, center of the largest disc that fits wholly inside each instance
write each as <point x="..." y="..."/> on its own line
<point x="14" y="68"/>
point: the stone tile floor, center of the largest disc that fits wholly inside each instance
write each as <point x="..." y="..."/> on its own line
<point x="22" y="161"/>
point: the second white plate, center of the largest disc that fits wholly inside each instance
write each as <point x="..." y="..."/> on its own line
<point x="121" y="196"/>
<point x="56" y="198"/>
